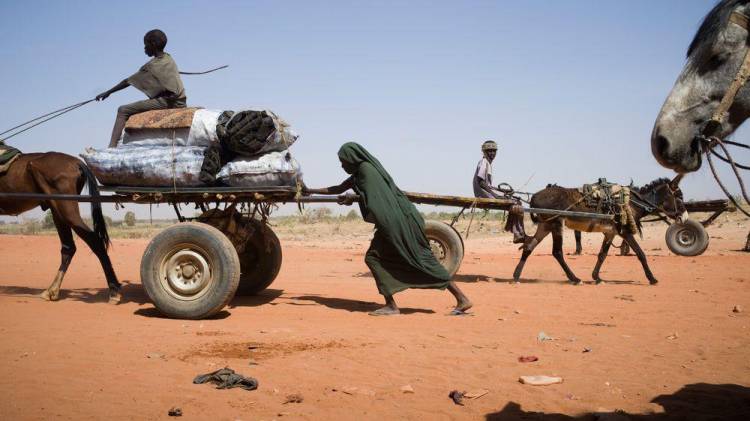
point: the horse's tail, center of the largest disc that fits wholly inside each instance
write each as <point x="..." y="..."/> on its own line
<point x="100" y="225"/>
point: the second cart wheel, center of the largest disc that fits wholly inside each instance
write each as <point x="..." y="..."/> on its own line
<point x="190" y="271"/>
<point x="688" y="238"/>
<point x="446" y="244"/>
<point x="260" y="262"/>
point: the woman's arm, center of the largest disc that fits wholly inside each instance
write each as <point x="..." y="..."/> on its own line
<point x="346" y="185"/>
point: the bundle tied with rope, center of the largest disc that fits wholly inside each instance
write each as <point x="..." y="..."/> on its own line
<point x="612" y="199"/>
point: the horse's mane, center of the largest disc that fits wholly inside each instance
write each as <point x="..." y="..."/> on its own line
<point x="711" y="27"/>
<point x="650" y="186"/>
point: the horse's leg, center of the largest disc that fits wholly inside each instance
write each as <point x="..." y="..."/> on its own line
<point x="624" y="249"/>
<point x="641" y="256"/>
<point x="541" y="231"/>
<point x="557" y="252"/>
<point x="579" y="247"/>
<point x="70" y="215"/>
<point x="68" y="249"/>
<point x="97" y="246"/>
<point x="602" y="255"/>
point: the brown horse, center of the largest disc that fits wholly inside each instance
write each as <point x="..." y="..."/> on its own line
<point x="57" y="173"/>
<point x="662" y="194"/>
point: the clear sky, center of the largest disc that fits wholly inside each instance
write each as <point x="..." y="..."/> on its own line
<point x="569" y="89"/>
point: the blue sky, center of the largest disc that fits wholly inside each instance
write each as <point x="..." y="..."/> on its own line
<point x="569" y="89"/>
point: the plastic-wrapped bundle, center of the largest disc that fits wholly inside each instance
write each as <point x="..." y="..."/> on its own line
<point x="166" y="166"/>
<point x="202" y="132"/>
<point x="270" y="170"/>
<point x="147" y="166"/>
<point x="251" y="133"/>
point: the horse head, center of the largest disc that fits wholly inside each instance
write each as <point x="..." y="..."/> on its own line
<point x="713" y="61"/>
<point x="665" y="195"/>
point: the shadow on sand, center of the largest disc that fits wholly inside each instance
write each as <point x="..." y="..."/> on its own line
<point x="131" y="293"/>
<point x="700" y="401"/>
<point x="354" y="305"/>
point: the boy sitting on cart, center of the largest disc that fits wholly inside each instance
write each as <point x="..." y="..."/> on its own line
<point x="159" y="79"/>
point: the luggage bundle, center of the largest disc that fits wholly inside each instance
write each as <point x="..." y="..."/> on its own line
<point x="197" y="147"/>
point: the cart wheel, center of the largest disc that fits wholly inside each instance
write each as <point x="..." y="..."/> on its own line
<point x="190" y="271"/>
<point x="260" y="262"/>
<point x="687" y="239"/>
<point x="446" y="244"/>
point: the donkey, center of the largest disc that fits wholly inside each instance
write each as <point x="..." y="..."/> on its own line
<point x="661" y="194"/>
<point x="57" y="173"/>
<point x="713" y="59"/>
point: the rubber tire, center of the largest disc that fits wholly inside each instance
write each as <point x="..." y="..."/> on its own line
<point x="259" y="266"/>
<point x="221" y="255"/>
<point x="696" y="248"/>
<point x="451" y="242"/>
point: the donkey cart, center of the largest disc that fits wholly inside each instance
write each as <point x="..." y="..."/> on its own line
<point x="192" y="269"/>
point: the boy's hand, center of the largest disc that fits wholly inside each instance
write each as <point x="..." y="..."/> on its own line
<point x="102" y="96"/>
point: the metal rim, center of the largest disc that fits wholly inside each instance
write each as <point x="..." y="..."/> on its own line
<point x="686" y="237"/>
<point x="438" y="249"/>
<point x="186" y="272"/>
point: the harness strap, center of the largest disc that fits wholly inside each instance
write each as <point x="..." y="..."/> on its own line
<point x="742" y="74"/>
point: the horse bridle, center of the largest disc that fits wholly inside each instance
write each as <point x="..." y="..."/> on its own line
<point x="708" y="138"/>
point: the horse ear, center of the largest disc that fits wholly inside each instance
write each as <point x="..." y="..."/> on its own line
<point x="675" y="183"/>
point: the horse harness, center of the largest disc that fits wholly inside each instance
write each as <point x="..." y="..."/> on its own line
<point x="709" y="141"/>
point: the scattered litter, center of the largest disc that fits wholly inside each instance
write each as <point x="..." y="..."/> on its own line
<point x="475" y="394"/>
<point x="294" y="398"/>
<point x="527" y="359"/>
<point x="251" y="362"/>
<point x="572" y="397"/>
<point x="541" y="337"/>
<point x="226" y="378"/>
<point x="673" y="336"/>
<point x="407" y="389"/>
<point x="586" y="350"/>
<point x="516" y="312"/>
<point x="598" y="324"/>
<point x="458" y="397"/>
<point x="625" y="297"/>
<point x="175" y="412"/>
<point x="351" y="390"/>
<point x="540" y="380"/>
<point x="737" y="309"/>
<point x="155" y="356"/>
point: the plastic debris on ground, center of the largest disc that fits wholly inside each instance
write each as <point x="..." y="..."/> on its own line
<point x="540" y="380"/>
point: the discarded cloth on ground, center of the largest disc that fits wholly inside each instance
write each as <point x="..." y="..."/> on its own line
<point x="226" y="378"/>
<point x="166" y="166"/>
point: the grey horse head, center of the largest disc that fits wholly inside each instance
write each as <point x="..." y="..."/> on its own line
<point x="713" y="59"/>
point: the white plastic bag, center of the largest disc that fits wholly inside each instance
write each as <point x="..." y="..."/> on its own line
<point x="269" y="170"/>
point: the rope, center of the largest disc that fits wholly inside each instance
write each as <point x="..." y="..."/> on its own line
<point x="709" y="144"/>
<point x="50" y="116"/>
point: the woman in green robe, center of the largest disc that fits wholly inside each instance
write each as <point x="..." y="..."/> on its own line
<point x="399" y="256"/>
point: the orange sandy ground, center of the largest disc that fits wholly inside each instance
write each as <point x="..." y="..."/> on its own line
<point x="674" y="349"/>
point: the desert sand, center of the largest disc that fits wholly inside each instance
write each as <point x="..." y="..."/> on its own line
<point x="677" y="349"/>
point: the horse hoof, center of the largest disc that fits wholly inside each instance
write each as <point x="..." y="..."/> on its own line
<point x="49" y="296"/>
<point x="653" y="282"/>
<point x="115" y="297"/>
<point x="575" y="282"/>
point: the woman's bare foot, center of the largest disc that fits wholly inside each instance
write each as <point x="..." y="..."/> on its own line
<point x="463" y="305"/>
<point x="385" y="311"/>
<point x="389" y="309"/>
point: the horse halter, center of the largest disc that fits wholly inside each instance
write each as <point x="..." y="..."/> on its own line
<point x="709" y="140"/>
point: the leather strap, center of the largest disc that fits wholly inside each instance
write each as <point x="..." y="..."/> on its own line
<point x="742" y="74"/>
